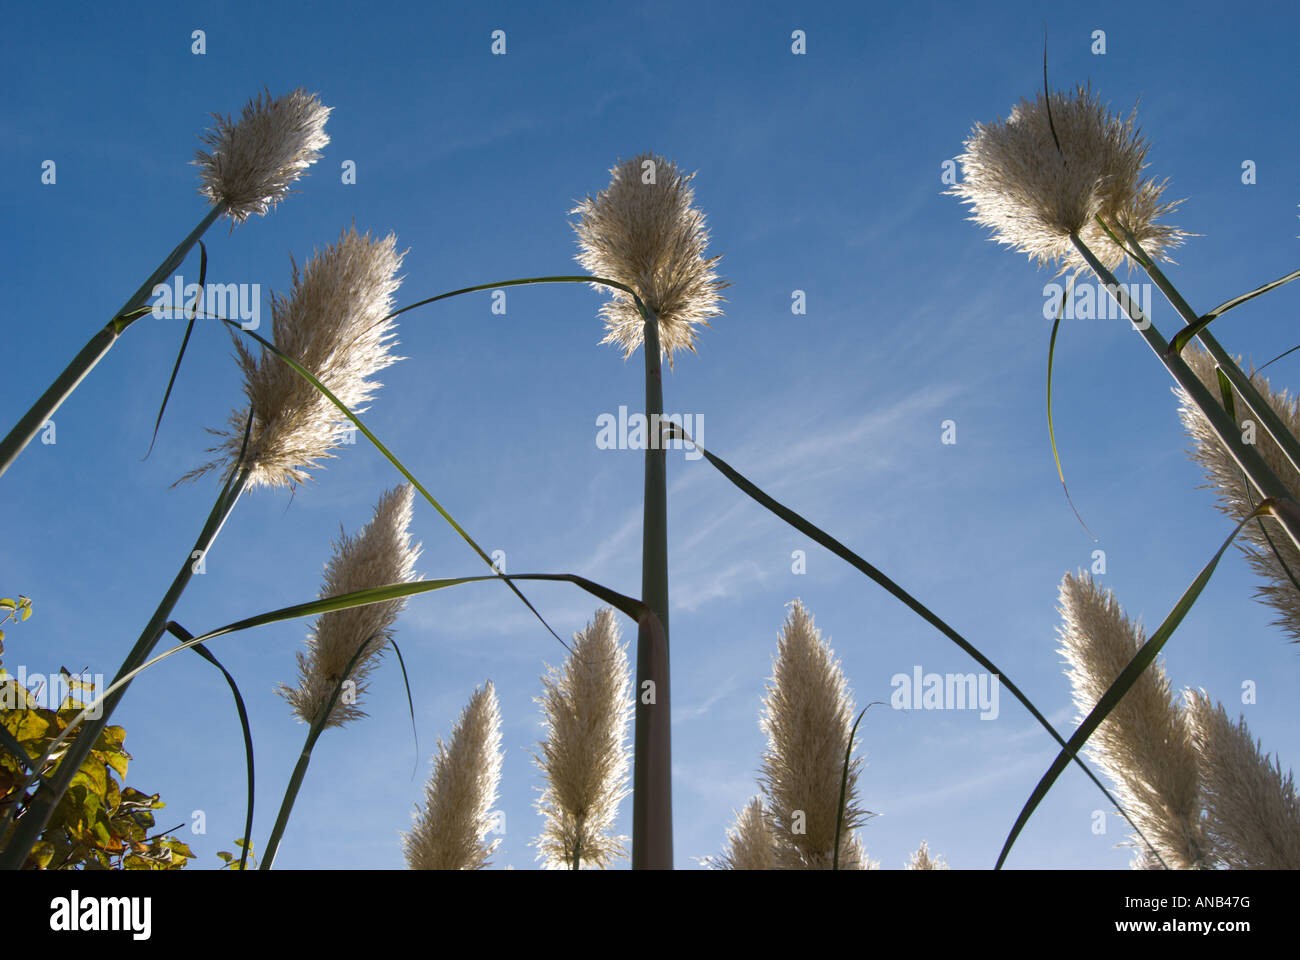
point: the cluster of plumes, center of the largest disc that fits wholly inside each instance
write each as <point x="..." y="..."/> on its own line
<point x="450" y="831"/>
<point x="1144" y="746"/>
<point x="808" y="717"/>
<point x="335" y="324"/>
<point x="586" y="707"/>
<point x="252" y="163"/>
<point x="922" y="860"/>
<point x="1195" y="784"/>
<point x="1237" y="498"/>
<point x="1034" y="195"/>
<point x="380" y="554"/>
<point x="643" y="231"/>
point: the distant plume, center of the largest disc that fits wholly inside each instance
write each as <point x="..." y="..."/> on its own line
<point x="450" y="830"/>
<point x="1143" y="745"/>
<point x="586" y="707"/>
<point x="808" y="714"/>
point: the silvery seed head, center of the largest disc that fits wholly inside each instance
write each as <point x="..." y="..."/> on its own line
<point x="586" y="708"/>
<point x="643" y="231"/>
<point x="1252" y="809"/>
<point x="449" y="832"/>
<point x="1262" y="541"/>
<point x="1143" y="745"/>
<point x="807" y="716"/>
<point x="251" y="164"/>
<point x="334" y="324"/>
<point x="1034" y="195"/>
<point x="750" y="845"/>
<point x="380" y="554"/>
<point x="924" y="860"/>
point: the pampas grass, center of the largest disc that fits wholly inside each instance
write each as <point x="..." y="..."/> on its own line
<point x="379" y="554"/>
<point x="586" y="707"/>
<point x="1252" y="809"/>
<point x="1237" y="498"/>
<point x="923" y="860"/>
<point x="336" y="324"/>
<point x="250" y="164"/>
<point x="643" y="231"/>
<point x="450" y="829"/>
<point x="1143" y="746"/>
<point x="807" y="715"/>
<point x="1035" y="196"/>
<point x="750" y="844"/>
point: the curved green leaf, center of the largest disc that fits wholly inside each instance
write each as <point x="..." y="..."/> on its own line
<point x="180" y="633"/>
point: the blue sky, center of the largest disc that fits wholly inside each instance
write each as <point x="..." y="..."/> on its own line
<point x="820" y="173"/>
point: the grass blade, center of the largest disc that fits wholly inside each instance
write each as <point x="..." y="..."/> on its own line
<point x="1185" y="335"/>
<point x="180" y="633"/>
<point x="1051" y="429"/>
<point x="844" y="782"/>
<point x="189" y="328"/>
<point x="410" y="702"/>
<point x="633" y="608"/>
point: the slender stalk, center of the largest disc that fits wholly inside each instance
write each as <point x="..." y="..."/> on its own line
<point x="28" y="829"/>
<point x="1260" y="407"/>
<point x="1245" y="455"/>
<point x="652" y="796"/>
<point x="291" y="794"/>
<point x="94" y="350"/>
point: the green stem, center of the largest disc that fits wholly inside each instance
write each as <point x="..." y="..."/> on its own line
<point x="1260" y="407"/>
<point x="318" y="724"/>
<point x="28" y="829"/>
<point x="290" y="795"/>
<point x="94" y="350"/>
<point x="652" y="797"/>
<point x="1245" y="455"/>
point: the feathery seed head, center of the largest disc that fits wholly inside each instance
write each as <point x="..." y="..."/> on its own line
<point x="586" y="708"/>
<point x="1143" y="745"/>
<point x="1252" y="810"/>
<point x="643" y="231"/>
<point x="922" y="860"/>
<point x="380" y="554"/>
<point x="1034" y="195"/>
<point x="334" y="325"/>
<point x="750" y="845"/>
<point x="1236" y="497"/>
<point x="253" y="162"/>
<point x="808" y="715"/>
<point x="449" y="831"/>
